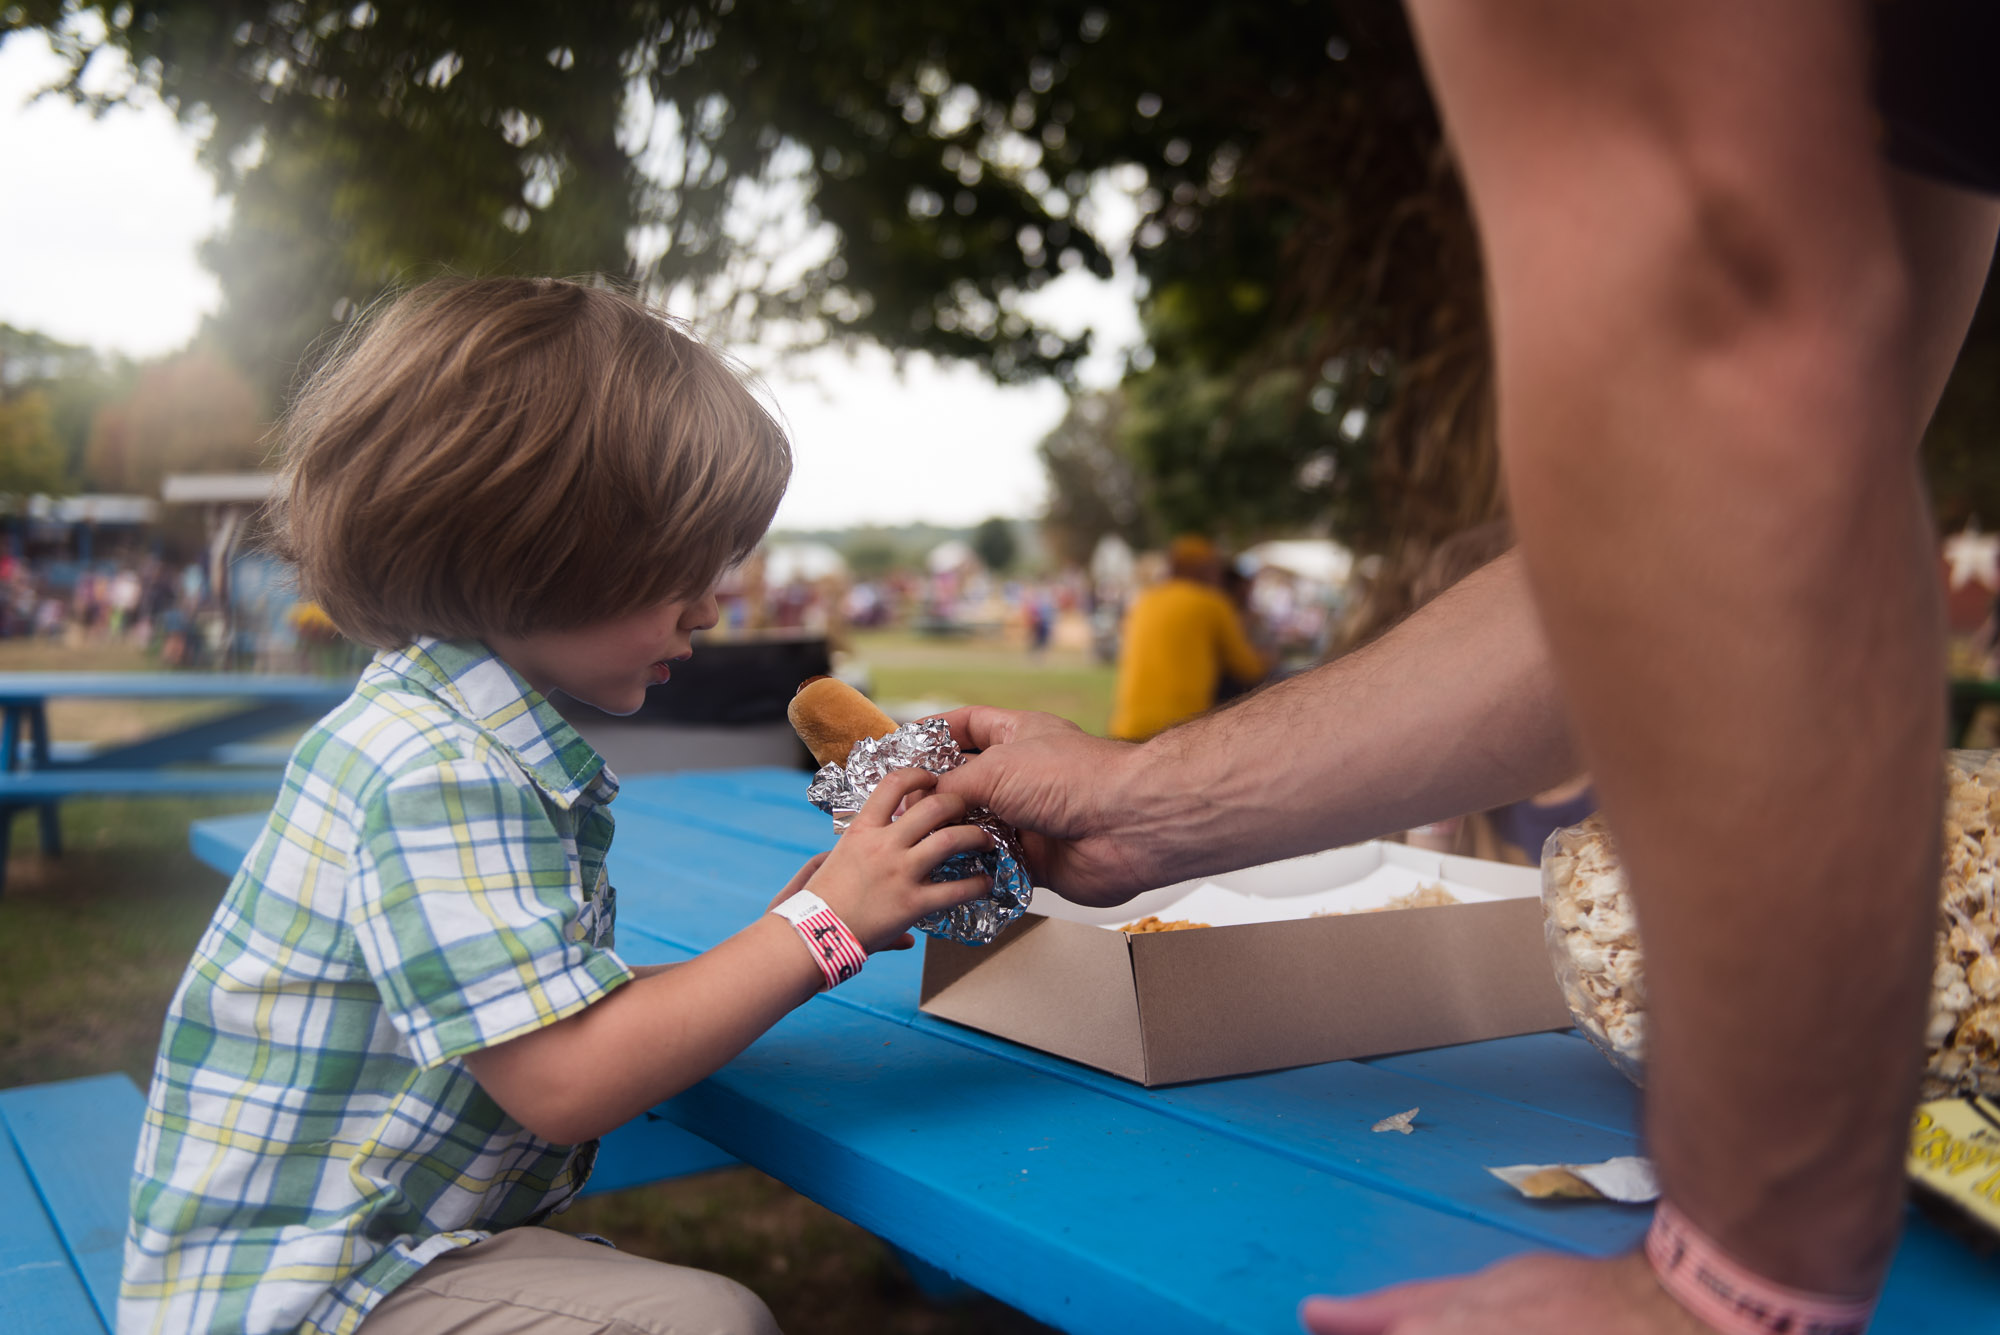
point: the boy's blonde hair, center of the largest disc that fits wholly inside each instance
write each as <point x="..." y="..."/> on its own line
<point x="516" y="455"/>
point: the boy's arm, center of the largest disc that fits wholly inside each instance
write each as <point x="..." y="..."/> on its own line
<point x="597" y="1069"/>
<point x="582" y="1076"/>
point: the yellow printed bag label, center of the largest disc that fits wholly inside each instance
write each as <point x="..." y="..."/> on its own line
<point x="1955" y="1152"/>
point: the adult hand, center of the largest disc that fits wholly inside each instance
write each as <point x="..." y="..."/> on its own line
<point x="1529" y="1295"/>
<point x="1058" y="784"/>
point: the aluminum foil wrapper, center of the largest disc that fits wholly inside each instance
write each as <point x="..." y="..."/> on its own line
<point x="840" y="791"/>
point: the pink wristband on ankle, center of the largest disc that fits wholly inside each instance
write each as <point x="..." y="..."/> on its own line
<point x="1716" y="1289"/>
<point x="835" y="949"/>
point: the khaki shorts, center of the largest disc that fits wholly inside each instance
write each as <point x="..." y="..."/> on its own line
<point x="536" y="1279"/>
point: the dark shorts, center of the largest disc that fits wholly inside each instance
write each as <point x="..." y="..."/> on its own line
<point x="1937" y="87"/>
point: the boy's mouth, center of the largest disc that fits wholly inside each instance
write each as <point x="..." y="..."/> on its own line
<point x="663" y="670"/>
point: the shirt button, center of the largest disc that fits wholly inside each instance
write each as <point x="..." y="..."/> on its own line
<point x="576" y="931"/>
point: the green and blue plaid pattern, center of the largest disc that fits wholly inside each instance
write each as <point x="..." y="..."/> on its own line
<point x="431" y="882"/>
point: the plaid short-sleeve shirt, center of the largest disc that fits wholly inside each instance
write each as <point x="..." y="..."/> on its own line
<point x="431" y="882"/>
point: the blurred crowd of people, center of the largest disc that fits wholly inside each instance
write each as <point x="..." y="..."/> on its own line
<point x="139" y="600"/>
<point x="174" y="609"/>
<point x="1291" y="619"/>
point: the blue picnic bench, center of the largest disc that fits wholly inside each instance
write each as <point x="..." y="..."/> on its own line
<point x="1087" y="1202"/>
<point x="66" y="1175"/>
<point x="37" y="772"/>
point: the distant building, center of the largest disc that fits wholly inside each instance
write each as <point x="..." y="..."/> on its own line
<point x="80" y="527"/>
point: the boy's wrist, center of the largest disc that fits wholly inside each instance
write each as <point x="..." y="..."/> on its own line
<point x="833" y="946"/>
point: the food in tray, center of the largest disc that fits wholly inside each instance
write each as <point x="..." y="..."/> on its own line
<point x="830" y="717"/>
<point x="1430" y="896"/>
<point x="1595" y="943"/>
<point x="1153" y="923"/>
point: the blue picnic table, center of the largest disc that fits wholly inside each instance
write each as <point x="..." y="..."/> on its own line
<point x="37" y="772"/>
<point x="1087" y="1202"/>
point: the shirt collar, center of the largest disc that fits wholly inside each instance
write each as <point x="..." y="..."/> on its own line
<point x="472" y="681"/>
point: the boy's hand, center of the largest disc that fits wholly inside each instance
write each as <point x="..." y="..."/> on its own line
<point x="804" y="874"/>
<point x="877" y="878"/>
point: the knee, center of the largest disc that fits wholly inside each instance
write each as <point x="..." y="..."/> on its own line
<point x="718" y="1305"/>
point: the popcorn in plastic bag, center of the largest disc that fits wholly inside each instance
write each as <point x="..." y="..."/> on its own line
<point x="1594" y="941"/>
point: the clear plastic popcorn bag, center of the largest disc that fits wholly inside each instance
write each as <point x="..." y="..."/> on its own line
<point x="1962" y="1044"/>
<point x="1594" y="942"/>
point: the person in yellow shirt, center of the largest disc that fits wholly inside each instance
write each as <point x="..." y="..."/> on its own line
<point x="1180" y="637"/>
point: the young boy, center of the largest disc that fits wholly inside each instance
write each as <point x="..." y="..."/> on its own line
<point x="406" y="1026"/>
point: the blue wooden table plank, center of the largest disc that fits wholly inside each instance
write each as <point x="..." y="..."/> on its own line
<point x="649" y="1148"/>
<point x="76" y="1139"/>
<point x="774" y="784"/>
<point x="1560" y="1074"/>
<point x="792" y="825"/>
<point x="1089" y="1214"/>
<point x="1938" y="1284"/>
<point x="69" y="781"/>
<point x="1322" y="1115"/>
<point x="36" y="686"/>
<point x="697" y="857"/>
<point x="223" y="841"/>
<point x="40" y="1289"/>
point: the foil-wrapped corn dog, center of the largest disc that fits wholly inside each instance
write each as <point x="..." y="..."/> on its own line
<point x="857" y="744"/>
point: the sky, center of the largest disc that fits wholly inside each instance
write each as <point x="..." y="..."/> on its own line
<point x="100" y="219"/>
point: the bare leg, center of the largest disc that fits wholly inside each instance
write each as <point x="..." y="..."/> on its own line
<point x="1721" y="321"/>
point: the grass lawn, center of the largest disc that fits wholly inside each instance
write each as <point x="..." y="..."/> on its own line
<point x="93" y="943"/>
<point x="973" y="672"/>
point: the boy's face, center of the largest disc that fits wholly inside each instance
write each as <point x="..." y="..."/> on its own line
<point x="610" y="664"/>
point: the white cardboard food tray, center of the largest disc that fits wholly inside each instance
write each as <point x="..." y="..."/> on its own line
<point x="1268" y="984"/>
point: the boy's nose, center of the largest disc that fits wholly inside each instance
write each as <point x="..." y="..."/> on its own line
<point x="704" y="613"/>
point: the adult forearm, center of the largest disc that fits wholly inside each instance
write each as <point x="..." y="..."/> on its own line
<point x="1455" y="710"/>
<point x="1757" y="686"/>
<point x="1709" y="405"/>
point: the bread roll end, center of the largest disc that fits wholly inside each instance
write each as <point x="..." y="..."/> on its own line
<point x="830" y="717"/>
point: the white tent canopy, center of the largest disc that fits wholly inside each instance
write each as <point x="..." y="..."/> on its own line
<point x="218" y="488"/>
<point x="94" y="508"/>
<point x="951" y="554"/>
<point x="1319" y="559"/>
<point x="1112" y="563"/>
<point x="801" y="562"/>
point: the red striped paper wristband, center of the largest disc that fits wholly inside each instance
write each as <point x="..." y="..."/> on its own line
<point x="835" y="949"/>
<point x="1711" y="1286"/>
